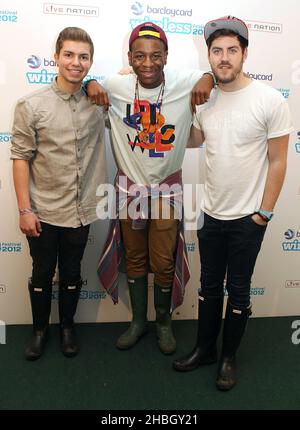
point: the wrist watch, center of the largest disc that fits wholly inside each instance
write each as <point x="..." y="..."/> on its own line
<point x="265" y="215"/>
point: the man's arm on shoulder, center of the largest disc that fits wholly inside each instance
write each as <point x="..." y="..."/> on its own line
<point x="202" y="89"/>
<point x="196" y="138"/>
<point x="97" y="93"/>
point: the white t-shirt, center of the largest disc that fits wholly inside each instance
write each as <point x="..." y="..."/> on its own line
<point x="150" y="163"/>
<point x="236" y="126"/>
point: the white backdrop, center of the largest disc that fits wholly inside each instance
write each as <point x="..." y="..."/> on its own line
<point x="28" y="31"/>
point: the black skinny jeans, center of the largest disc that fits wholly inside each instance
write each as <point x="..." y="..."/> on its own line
<point x="229" y="247"/>
<point x="63" y="244"/>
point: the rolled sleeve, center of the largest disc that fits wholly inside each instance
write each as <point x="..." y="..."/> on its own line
<point x="23" y="133"/>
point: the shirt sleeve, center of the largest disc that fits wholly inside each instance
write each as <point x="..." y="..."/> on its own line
<point x="24" y="143"/>
<point x="196" y="120"/>
<point x="279" y="121"/>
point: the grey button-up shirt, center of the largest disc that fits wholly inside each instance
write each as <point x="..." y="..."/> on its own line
<point x="62" y="137"/>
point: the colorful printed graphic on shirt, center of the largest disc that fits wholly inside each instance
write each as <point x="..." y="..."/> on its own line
<point x="151" y="132"/>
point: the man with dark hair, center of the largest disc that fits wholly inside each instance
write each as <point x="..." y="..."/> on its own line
<point x="246" y="127"/>
<point x="59" y="161"/>
<point x="150" y="118"/>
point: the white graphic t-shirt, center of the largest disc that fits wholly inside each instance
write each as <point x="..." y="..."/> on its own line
<point x="149" y="140"/>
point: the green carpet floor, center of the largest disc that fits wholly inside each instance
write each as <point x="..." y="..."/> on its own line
<point x="104" y="378"/>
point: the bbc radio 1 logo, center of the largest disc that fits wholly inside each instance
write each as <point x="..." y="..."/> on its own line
<point x="297" y="145"/>
<point x="292" y="242"/>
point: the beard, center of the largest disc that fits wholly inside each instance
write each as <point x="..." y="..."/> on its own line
<point x="231" y="74"/>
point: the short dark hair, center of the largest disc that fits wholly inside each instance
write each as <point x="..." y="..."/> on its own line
<point x="76" y="34"/>
<point x="224" y="32"/>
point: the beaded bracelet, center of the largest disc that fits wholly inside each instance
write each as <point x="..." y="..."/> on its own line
<point x="25" y="211"/>
<point x="214" y="78"/>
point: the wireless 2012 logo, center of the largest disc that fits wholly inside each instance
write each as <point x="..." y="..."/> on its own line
<point x="8" y="16"/>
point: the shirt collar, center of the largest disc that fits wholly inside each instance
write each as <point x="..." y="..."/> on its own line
<point x="66" y="96"/>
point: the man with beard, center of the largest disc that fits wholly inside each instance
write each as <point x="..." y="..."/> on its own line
<point x="150" y="118"/>
<point x="246" y="126"/>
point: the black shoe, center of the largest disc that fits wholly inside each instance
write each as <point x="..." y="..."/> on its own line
<point x="226" y="378"/>
<point x="195" y="359"/>
<point x="35" y="347"/>
<point x="69" y="342"/>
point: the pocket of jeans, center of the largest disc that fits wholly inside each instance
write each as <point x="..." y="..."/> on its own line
<point x="255" y="223"/>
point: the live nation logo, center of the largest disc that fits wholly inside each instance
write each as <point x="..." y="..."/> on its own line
<point x="73" y="10"/>
<point x="292" y="283"/>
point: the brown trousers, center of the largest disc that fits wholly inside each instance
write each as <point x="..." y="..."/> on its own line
<point x="151" y="248"/>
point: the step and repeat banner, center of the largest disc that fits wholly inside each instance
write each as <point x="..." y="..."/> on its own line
<point x="28" y="31"/>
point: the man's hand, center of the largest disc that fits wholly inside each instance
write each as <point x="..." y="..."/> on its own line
<point x="201" y="91"/>
<point x="258" y="220"/>
<point x="98" y="94"/>
<point x="30" y="225"/>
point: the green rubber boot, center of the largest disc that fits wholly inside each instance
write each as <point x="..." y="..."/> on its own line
<point x="138" y="291"/>
<point x="162" y="303"/>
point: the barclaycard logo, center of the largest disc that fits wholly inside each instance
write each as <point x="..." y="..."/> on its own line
<point x="34" y="62"/>
<point x="292" y="240"/>
<point x="137" y="8"/>
<point x="289" y="234"/>
<point x="260" y="76"/>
